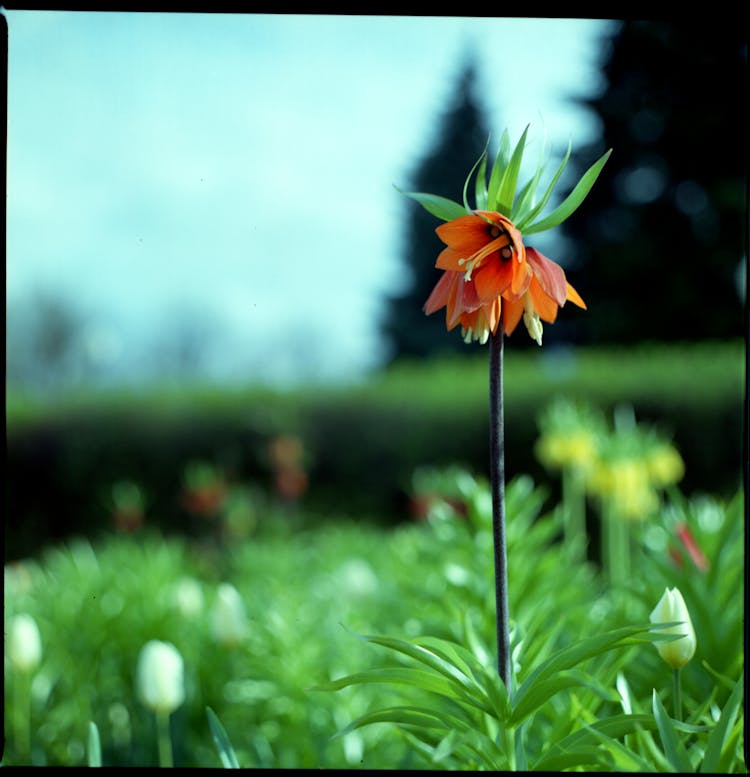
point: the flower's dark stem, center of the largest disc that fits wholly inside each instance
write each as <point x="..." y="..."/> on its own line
<point x="497" y="479"/>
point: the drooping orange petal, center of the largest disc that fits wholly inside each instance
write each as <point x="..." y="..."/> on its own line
<point x="521" y="279"/>
<point x="469" y="297"/>
<point x="448" y="293"/>
<point x="574" y="297"/>
<point x="549" y="274"/>
<point x="493" y="278"/>
<point x="517" y="240"/>
<point x="440" y="293"/>
<point x="492" y="312"/>
<point x="448" y="259"/>
<point x="544" y="305"/>
<point x="454" y="308"/>
<point x="512" y="310"/>
<point x="465" y="234"/>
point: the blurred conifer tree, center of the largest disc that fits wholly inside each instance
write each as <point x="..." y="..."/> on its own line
<point x="660" y="242"/>
<point x="459" y="141"/>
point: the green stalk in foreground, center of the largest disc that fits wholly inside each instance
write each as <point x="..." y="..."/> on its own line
<point x="677" y="680"/>
<point x="164" y="739"/>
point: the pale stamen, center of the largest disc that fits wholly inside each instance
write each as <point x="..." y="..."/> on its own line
<point x="531" y="319"/>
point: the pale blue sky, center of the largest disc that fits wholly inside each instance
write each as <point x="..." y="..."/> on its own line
<point x="240" y="168"/>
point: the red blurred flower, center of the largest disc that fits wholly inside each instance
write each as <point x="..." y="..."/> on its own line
<point x="128" y="519"/>
<point x="287" y="453"/>
<point x="689" y="543"/>
<point x="420" y="505"/>
<point x="205" y="500"/>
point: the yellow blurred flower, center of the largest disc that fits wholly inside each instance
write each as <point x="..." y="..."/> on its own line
<point x="664" y="465"/>
<point x="576" y="448"/>
<point x="625" y="482"/>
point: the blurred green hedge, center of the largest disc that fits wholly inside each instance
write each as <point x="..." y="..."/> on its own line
<point x="361" y="442"/>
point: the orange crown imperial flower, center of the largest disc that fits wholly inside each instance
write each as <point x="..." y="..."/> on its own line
<point x="490" y="278"/>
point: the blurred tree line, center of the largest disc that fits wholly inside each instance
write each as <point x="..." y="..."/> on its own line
<point x="659" y="247"/>
<point x="54" y="343"/>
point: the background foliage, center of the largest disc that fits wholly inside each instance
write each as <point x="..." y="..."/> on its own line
<point x="669" y="219"/>
<point x="360" y="443"/>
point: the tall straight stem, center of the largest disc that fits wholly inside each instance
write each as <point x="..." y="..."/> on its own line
<point x="497" y="481"/>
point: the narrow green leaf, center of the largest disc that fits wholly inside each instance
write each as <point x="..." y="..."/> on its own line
<point x="615" y="727"/>
<point x="718" y="737"/>
<point x="480" y="185"/>
<point x="443" y="667"/>
<point x="624" y="758"/>
<point x="417" y="678"/>
<point x="95" y="747"/>
<point x="526" y="218"/>
<point x="723" y="679"/>
<point x="589" y="756"/>
<point x="227" y="756"/>
<point x="544" y="689"/>
<point x="498" y="166"/>
<point x="525" y="199"/>
<point x="459" y="687"/>
<point x="487" y="683"/>
<point x="473" y="749"/>
<point x="673" y="748"/>
<point x="452" y="653"/>
<point x="732" y="752"/>
<point x="417" y="742"/>
<point x="626" y="695"/>
<point x="574" y="654"/>
<point x="481" y="163"/>
<point x="442" y="207"/>
<point x="446" y="747"/>
<point x="523" y="202"/>
<point x="419" y="717"/>
<point x="507" y="186"/>
<point x="573" y="200"/>
<point x="404" y="716"/>
<point x="522" y="764"/>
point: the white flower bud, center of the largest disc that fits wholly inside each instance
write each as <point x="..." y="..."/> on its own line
<point x="229" y="622"/>
<point x="188" y="597"/>
<point x="160" y="677"/>
<point x="671" y="607"/>
<point x="23" y="643"/>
